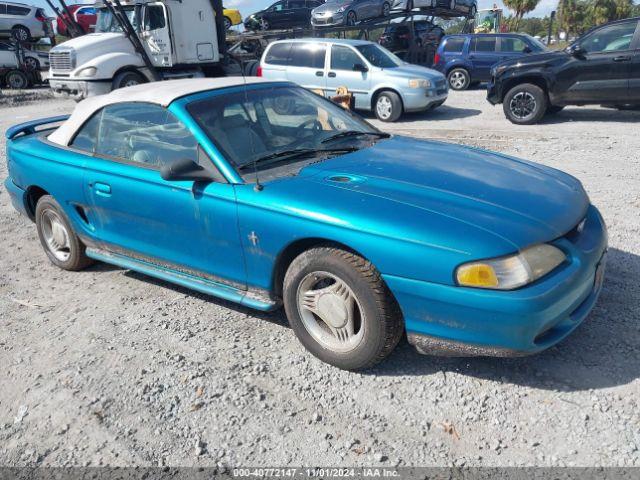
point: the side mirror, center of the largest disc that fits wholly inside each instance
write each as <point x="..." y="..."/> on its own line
<point x="576" y="50"/>
<point x="358" y="67"/>
<point x="185" y="169"/>
<point x="527" y="50"/>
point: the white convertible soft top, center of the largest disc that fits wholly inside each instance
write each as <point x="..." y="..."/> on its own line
<point x="160" y="93"/>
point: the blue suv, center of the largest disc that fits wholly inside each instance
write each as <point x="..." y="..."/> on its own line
<point x="467" y="59"/>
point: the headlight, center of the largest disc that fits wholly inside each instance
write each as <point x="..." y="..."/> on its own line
<point x="87" y="72"/>
<point x="419" y="83"/>
<point x="341" y="9"/>
<point x="507" y="273"/>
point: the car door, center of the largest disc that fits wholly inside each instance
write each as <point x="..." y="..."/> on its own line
<point x="598" y="72"/>
<point x="7" y="56"/>
<point x="341" y="73"/>
<point x="181" y="225"/>
<point x="483" y="54"/>
<point x="155" y="33"/>
<point x="305" y="65"/>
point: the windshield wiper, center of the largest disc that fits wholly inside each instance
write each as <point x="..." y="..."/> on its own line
<point x="354" y="133"/>
<point x="284" y="155"/>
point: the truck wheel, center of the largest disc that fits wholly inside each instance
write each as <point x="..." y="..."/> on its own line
<point x="127" y="79"/>
<point x="21" y="33"/>
<point x="459" y="79"/>
<point x="17" y="80"/>
<point x="525" y="104"/>
<point x="388" y="106"/>
<point x="60" y="243"/>
<point x="340" y="308"/>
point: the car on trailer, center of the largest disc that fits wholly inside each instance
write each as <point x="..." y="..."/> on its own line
<point x="348" y="12"/>
<point x="444" y="8"/>
<point x="33" y="59"/>
<point x="232" y="17"/>
<point x="83" y="15"/>
<point x="379" y="81"/>
<point x="24" y="22"/>
<point x="282" y="14"/>
<point x="280" y="197"/>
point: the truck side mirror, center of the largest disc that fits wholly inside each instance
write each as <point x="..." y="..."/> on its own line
<point x="185" y="169"/>
<point x="576" y="50"/>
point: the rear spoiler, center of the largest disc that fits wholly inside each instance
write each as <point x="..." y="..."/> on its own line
<point x="29" y="128"/>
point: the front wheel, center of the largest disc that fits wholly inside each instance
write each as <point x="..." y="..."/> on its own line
<point x="227" y="23"/>
<point x="388" y="107"/>
<point x="525" y="104"/>
<point x="340" y="308"/>
<point x="32" y="63"/>
<point x="59" y="241"/>
<point x="351" y="19"/>
<point x="386" y="8"/>
<point x="127" y="79"/>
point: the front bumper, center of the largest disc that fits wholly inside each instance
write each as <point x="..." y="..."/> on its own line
<point x="327" y="21"/>
<point x="419" y="99"/>
<point x="494" y="93"/>
<point x="451" y="320"/>
<point x="78" y="89"/>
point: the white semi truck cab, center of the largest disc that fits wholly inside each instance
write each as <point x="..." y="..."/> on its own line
<point x="180" y="39"/>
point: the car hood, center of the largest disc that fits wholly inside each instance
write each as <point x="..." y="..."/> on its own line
<point x="535" y="59"/>
<point x="409" y="70"/>
<point x="474" y="201"/>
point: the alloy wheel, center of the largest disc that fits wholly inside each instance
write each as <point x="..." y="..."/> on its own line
<point x="384" y="107"/>
<point x="31" y="63"/>
<point x="330" y="311"/>
<point x="457" y="80"/>
<point x="55" y="234"/>
<point x="351" y="19"/>
<point x="16" y="80"/>
<point x="385" y="9"/>
<point x="522" y="105"/>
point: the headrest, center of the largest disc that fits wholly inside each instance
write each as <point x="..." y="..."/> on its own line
<point x="233" y="121"/>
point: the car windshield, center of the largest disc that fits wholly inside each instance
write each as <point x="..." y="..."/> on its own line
<point x="379" y="56"/>
<point x="107" y="23"/>
<point x="273" y="128"/>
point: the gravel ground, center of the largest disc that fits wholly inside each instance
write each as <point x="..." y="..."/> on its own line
<point x="108" y="367"/>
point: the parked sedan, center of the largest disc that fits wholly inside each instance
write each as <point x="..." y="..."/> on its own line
<point x="263" y="193"/>
<point x="282" y="14"/>
<point x="348" y="12"/>
<point x="444" y="8"/>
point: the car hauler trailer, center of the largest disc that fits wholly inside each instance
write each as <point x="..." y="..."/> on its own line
<point x="138" y="41"/>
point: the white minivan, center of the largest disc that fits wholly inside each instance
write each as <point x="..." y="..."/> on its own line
<point x="379" y="80"/>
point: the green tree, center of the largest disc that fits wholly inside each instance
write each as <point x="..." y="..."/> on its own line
<point x="601" y="11"/>
<point x="520" y="8"/>
<point x="570" y="15"/>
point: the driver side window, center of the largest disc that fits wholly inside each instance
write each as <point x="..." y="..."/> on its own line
<point x="144" y="134"/>
<point x="343" y="58"/>
<point x="611" y="38"/>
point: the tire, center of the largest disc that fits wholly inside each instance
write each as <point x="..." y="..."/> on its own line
<point x="459" y="79"/>
<point x="32" y="64"/>
<point x="21" y="33"/>
<point x="553" y="109"/>
<point x="351" y="19"/>
<point x="472" y="12"/>
<point x="227" y="23"/>
<point x="368" y="334"/>
<point x="127" y="79"/>
<point x="388" y="106"/>
<point x="525" y="104"/>
<point x="264" y="25"/>
<point x="386" y="9"/>
<point x="17" y="80"/>
<point x="250" y="68"/>
<point x="59" y="241"/>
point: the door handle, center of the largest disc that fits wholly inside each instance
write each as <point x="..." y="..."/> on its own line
<point x="331" y="74"/>
<point x="319" y="73"/>
<point x="102" y="189"/>
<point x="622" y="58"/>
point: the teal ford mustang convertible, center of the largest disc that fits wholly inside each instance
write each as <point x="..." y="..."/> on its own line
<point x="263" y="193"/>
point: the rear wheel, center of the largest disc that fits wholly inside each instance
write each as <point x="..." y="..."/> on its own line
<point x="340" y="309"/>
<point x="127" y="79"/>
<point x="459" y="79"/>
<point x="388" y="106"/>
<point x="265" y="25"/>
<point x="525" y="104"/>
<point x="21" y="33"/>
<point x="17" y="80"/>
<point x="59" y="241"/>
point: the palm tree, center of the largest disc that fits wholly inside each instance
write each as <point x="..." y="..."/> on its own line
<point x="520" y="7"/>
<point x="569" y="15"/>
<point x="601" y="11"/>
